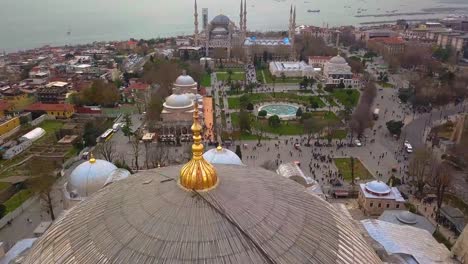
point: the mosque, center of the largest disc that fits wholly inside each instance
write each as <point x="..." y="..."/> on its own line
<point x="223" y="34"/>
<point x="201" y="212"/>
<point x="177" y="112"/>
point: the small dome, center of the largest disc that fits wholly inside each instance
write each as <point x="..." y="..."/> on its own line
<point x="178" y="101"/>
<point x="378" y="187"/>
<point x="184" y="79"/>
<point x="89" y="177"/>
<point x="407" y="217"/>
<point x="338" y="60"/>
<point x="220" y="20"/>
<point x="222" y="156"/>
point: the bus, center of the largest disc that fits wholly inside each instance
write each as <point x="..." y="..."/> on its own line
<point x="107" y="135"/>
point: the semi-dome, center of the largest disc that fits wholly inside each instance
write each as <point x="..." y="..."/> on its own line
<point x="378" y="188"/>
<point x="185" y="79"/>
<point x="221" y="155"/>
<point x="89" y="177"/>
<point x="178" y="101"/>
<point x="251" y="216"/>
<point x="220" y="20"/>
<point x="407" y="217"/>
<point x="338" y="60"/>
<point x="219" y="30"/>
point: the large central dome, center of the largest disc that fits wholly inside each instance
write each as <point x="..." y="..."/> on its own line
<point x="252" y="216"/>
<point x="221" y="20"/>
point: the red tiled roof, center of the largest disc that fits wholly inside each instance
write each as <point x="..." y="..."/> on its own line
<point x="4" y="105"/>
<point x="50" y="107"/>
<point x="139" y="86"/>
<point x="87" y="110"/>
<point x="389" y="40"/>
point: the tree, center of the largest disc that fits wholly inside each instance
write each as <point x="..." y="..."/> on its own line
<point x="239" y="152"/>
<point x="299" y="112"/>
<point x="2" y="210"/>
<point x="159" y="155"/>
<point x="262" y="113"/>
<point x="250" y="107"/>
<point x="351" y="165"/>
<point x="313" y="103"/>
<point x="90" y="133"/>
<point x="283" y="76"/>
<point x="136" y="150"/>
<point x="43" y="173"/>
<point x="259" y="132"/>
<point x="394" y="127"/>
<point x="244" y="122"/>
<point x="127" y="127"/>
<point x="441" y="179"/>
<point x="341" y="85"/>
<point x="311" y="127"/>
<point x="244" y="100"/>
<point x="99" y="93"/>
<point x="274" y="121"/>
<point x="107" y="150"/>
<point x="419" y="167"/>
<point x="153" y="110"/>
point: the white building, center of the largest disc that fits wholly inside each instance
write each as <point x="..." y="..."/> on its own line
<point x="337" y="71"/>
<point x="291" y="69"/>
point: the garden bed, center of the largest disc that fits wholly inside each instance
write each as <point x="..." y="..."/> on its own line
<point x="344" y="167"/>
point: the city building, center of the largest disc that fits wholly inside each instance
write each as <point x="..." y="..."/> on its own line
<point x="391" y="46"/>
<point x="60" y="111"/>
<point x="88" y="178"/>
<point x="291" y="69"/>
<point x="206" y="213"/>
<point x="277" y="49"/>
<point x="375" y="197"/>
<point x="52" y="94"/>
<point x="375" y="33"/>
<point x="16" y="97"/>
<point x="456" y="40"/>
<point x="177" y="110"/>
<point x="406" y="244"/>
<point x="337" y="71"/>
<point x="7" y="124"/>
<point x="402" y="217"/>
<point x="319" y="61"/>
<point x="5" y="107"/>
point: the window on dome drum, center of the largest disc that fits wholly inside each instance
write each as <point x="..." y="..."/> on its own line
<point x="371" y="204"/>
<point x="397" y="206"/>
<point x="388" y="205"/>
<point x="380" y="205"/>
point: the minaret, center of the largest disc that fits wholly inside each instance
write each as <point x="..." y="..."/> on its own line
<point x="290" y="22"/>
<point x="241" y="22"/>
<point x="197" y="174"/>
<point x="195" y="37"/>
<point x="245" y="17"/>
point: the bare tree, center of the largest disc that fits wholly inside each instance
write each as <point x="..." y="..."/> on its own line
<point x="107" y="150"/>
<point x="311" y="127"/>
<point x="419" y="167"/>
<point x="136" y="150"/>
<point x="441" y="178"/>
<point x="159" y="155"/>
<point x="44" y="172"/>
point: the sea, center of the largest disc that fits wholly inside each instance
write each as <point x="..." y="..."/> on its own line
<point x="26" y="24"/>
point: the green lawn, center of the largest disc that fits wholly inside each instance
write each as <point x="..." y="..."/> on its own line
<point x="236" y="76"/>
<point x="206" y="80"/>
<point x="344" y="167"/>
<point x="346" y="97"/>
<point x="385" y="85"/>
<point x="269" y="78"/>
<point x="124" y="109"/>
<point x="4" y="185"/>
<point x="50" y="126"/>
<point x="293" y="127"/>
<point x="340" y="134"/>
<point x="234" y="102"/>
<point x="16" y="200"/>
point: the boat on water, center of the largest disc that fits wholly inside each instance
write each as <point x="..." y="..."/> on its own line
<point x="313" y="11"/>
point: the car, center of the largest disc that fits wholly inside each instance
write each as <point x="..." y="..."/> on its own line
<point x="358" y="143"/>
<point x="409" y="149"/>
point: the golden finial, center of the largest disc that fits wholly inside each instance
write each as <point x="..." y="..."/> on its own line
<point x="219" y="148"/>
<point x="92" y="160"/>
<point x="197" y="174"/>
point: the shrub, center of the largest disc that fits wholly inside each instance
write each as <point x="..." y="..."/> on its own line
<point x="262" y="113"/>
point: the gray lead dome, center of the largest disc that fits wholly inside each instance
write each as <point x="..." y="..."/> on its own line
<point x="252" y="216"/>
